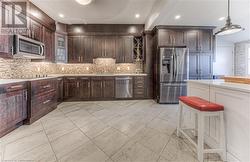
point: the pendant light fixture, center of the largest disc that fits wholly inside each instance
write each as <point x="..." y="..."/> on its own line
<point x="229" y="28"/>
<point x="84" y="2"/>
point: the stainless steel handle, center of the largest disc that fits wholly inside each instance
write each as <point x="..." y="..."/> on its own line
<point x="42" y="50"/>
<point x="88" y="84"/>
<point x="17" y="86"/>
<point x="71" y="78"/>
<point x="47" y="86"/>
<point x="77" y="84"/>
<point x="45" y="102"/>
<point x="101" y="84"/>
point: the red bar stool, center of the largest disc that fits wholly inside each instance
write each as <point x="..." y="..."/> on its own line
<point x="202" y="109"/>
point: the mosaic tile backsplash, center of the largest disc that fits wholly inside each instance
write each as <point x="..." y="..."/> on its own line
<point x="24" y="68"/>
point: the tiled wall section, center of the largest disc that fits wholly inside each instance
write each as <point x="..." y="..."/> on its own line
<point x="23" y="68"/>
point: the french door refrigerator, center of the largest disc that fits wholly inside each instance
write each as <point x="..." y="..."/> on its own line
<point x="173" y="73"/>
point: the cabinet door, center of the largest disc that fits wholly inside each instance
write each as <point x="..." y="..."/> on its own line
<point x="205" y="66"/>
<point x="109" y="47"/>
<point x="59" y="89"/>
<point x="99" y="46"/>
<point x="70" y="88"/>
<point x="193" y="65"/>
<point x="192" y="40"/>
<point x="84" y="88"/>
<point x="119" y="47"/>
<point x="87" y="49"/>
<point x="177" y="37"/>
<point x="13" y="109"/>
<point x="128" y="49"/>
<point x="164" y="37"/>
<point x="108" y="87"/>
<point x="96" y="87"/>
<point x="36" y="30"/>
<point x="77" y="49"/>
<point x="71" y="58"/>
<point x="206" y="40"/>
<point x="49" y="44"/>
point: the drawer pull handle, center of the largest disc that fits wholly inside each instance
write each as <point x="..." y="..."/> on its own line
<point x="17" y="86"/>
<point x="47" y="86"/>
<point x="71" y="78"/>
<point x="45" y="102"/>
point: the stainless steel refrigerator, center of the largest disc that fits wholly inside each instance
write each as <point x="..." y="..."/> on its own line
<point x="173" y="71"/>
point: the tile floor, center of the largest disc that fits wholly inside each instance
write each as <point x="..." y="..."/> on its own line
<point x="106" y="131"/>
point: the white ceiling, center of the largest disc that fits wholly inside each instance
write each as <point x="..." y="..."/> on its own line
<point x="153" y="12"/>
<point x="98" y="12"/>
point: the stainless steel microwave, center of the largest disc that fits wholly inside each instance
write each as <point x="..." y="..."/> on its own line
<point x="27" y="47"/>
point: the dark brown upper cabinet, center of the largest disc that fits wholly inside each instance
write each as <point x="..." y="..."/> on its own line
<point x="171" y="37"/>
<point x="48" y="40"/>
<point x="86" y="42"/>
<point x="199" y="40"/>
<point x="124" y="49"/>
<point x="104" y="46"/>
<point x="36" y="30"/>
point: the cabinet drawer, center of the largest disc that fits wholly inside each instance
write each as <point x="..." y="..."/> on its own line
<point x="40" y="104"/>
<point x="13" y="87"/>
<point x="139" y="93"/>
<point x="38" y="87"/>
<point x="139" y="86"/>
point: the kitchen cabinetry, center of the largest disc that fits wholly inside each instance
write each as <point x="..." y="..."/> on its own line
<point x="171" y="37"/>
<point x="59" y="90"/>
<point x="104" y="46"/>
<point x="42" y="98"/>
<point x="13" y="106"/>
<point x="60" y="48"/>
<point x="84" y="88"/>
<point x="139" y="87"/>
<point x="124" y="49"/>
<point x="48" y="40"/>
<point x="70" y="88"/>
<point x="200" y="66"/>
<point x="199" y="40"/>
<point x="80" y="49"/>
<point x="96" y="87"/>
<point x="36" y="30"/>
<point x="108" y="87"/>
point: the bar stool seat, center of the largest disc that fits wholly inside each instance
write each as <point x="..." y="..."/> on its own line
<point x="202" y="108"/>
<point x="201" y="104"/>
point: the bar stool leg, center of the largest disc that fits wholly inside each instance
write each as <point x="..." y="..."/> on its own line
<point x="196" y="124"/>
<point x="222" y="137"/>
<point x="179" y="118"/>
<point x="200" y="147"/>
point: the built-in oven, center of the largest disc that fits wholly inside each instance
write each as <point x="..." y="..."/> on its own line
<point x="27" y="47"/>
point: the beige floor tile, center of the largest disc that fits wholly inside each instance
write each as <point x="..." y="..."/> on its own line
<point x="68" y="142"/>
<point x="59" y="130"/>
<point x="25" y="144"/>
<point x="134" y="152"/>
<point x="40" y="153"/>
<point x="94" y="128"/>
<point x="177" y="150"/>
<point x="85" y="153"/>
<point x="152" y="139"/>
<point x="23" y="131"/>
<point x="110" y="141"/>
<point x="86" y="120"/>
<point x="162" y="126"/>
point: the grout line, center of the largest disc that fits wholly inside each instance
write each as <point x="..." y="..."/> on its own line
<point x="50" y="143"/>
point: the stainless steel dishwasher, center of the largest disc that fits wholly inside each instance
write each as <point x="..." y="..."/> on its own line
<point x="124" y="87"/>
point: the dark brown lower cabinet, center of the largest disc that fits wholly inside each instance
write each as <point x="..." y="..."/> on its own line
<point x="96" y="87"/>
<point x="84" y="88"/>
<point x="59" y="90"/>
<point x="70" y="88"/>
<point x="41" y="103"/>
<point x="13" y="106"/>
<point x="139" y="87"/>
<point x="108" y="87"/>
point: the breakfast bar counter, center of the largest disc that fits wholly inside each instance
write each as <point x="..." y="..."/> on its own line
<point x="236" y="100"/>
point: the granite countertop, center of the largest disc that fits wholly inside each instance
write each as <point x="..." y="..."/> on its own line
<point x="9" y="81"/>
<point x="220" y="83"/>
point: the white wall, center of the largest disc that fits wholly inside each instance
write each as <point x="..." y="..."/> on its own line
<point x="224" y="58"/>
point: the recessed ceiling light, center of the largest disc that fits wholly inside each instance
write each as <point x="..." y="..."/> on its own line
<point x="137" y="15"/>
<point x="61" y="15"/>
<point x="177" y="17"/>
<point x="84" y="2"/>
<point x="221" y="18"/>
